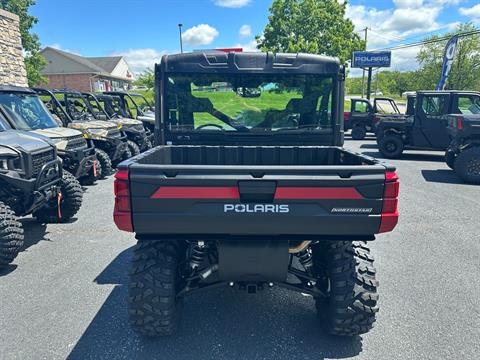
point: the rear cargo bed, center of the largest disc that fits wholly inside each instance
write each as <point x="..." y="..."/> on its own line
<point x="297" y="192"/>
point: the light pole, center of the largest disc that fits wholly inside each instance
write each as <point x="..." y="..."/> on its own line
<point x="181" y="41"/>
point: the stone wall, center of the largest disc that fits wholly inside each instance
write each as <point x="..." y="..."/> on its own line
<point x="12" y="66"/>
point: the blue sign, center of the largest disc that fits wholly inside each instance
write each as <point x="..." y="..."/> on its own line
<point x="447" y="61"/>
<point x="366" y="59"/>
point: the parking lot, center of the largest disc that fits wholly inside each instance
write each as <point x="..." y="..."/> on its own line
<point x="65" y="295"/>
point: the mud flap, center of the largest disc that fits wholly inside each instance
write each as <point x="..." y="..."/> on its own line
<point x="253" y="261"/>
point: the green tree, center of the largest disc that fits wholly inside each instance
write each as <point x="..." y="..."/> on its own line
<point x="34" y="61"/>
<point x="311" y="26"/>
<point x="465" y="71"/>
<point x="146" y="78"/>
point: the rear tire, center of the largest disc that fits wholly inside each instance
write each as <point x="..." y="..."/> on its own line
<point x="72" y="196"/>
<point x="153" y="307"/>
<point x="391" y="146"/>
<point x="105" y="163"/>
<point x="450" y="159"/>
<point x="11" y="235"/>
<point x="359" y="132"/>
<point x="148" y="145"/>
<point x="133" y="147"/>
<point x="467" y="165"/>
<point x="351" y="305"/>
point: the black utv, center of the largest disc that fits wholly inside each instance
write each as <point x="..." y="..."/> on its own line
<point x="31" y="182"/>
<point x="363" y="115"/>
<point x="424" y="126"/>
<point x="25" y="111"/>
<point x="71" y="108"/>
<point x="253" y="192"/>
<point x="138" y="139"/>
<point x="463" y="154"/>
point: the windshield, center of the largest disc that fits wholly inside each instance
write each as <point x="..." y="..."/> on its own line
<point x="385" y="107"/>
<point x="3" y="124"/>
<point x="27" y="111"/>
<point x="77" y="107"/>
<point x="261" y="103"/>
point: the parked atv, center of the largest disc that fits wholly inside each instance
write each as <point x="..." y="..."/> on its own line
<point x="25" y="111"/>
<point x="136" y="106"/>
<point x="31" y="182"/>
<point x="136" y="134"/>
<point x="72" y="110"/>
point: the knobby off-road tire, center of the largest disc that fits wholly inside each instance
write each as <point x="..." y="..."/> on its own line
<point x="133" y="147"/>
<point x="148" y="145"/>
<point x="153" y="308"/>
<point x="91" y="178"/>
<point x="11" y="235"/>
<point x="391" y="146"/>
<point x="450" y="159"/>
<point x="72" y="196"/>
<point x="352" y="299"/>
<point x="359" y="133"/>
<point x="105" y="163"/>
<point x="467" y="165"/>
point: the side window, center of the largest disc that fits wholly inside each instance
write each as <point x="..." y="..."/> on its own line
<point x="469" y="105"/>
<point x="433" y="105"/>
<point x="360" y="106"/>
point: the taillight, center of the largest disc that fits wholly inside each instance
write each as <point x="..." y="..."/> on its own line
<point x="459" y="123"/>
<point x="346" y="116"/>
<point x="122" y="214"/>
<point x="390" y="203"/>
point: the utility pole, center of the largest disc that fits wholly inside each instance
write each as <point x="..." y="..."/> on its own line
<point x="181" y="41"/>
<point x="363" y="76"/>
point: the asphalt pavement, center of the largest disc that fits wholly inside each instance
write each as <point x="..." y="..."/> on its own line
<point x="65" y="295"/>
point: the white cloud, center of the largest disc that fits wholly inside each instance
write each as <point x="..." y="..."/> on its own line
<point x="202" y="34"/>
<point x="408" y="3"/>
<point x="232" y="3"/>
<point x="473" y="12"/>
<point x="245" y="31"/>
<point x="140" y="60"/>
<point x="248" y="47"/>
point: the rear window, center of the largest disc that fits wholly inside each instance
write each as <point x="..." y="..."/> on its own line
<point x="249" y="103"/>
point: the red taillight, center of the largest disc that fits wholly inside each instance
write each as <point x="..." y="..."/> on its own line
<point x="390" y="203"/>
<point x="459" y="123"/>
<point x="346" y="116"/>
<point x="122" y="212"/>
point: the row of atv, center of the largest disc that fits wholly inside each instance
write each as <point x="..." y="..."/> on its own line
<point x="52" y="143"/>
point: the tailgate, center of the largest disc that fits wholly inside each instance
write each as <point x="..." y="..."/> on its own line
<point x="204" y="201"/>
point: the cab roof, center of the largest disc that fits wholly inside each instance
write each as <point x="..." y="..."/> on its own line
<point x="255" y="62"/>
<point x="16" y="89"/>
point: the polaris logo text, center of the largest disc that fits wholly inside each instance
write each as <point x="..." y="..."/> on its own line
<point x="256" y="208"/>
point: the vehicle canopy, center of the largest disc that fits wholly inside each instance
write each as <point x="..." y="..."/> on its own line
<point x="249" y="98"/>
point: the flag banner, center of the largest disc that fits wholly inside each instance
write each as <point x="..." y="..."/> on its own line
<point x="447" y="61"/>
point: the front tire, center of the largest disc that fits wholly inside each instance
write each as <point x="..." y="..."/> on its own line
<point x="71" y="201"/>
<point x="105" y="163"/>
<point x="450" y="159"/>
<point x="11" y="235"/>
<point x="391" y="146"/>
<point x="133" y="147"/>
<point x="91" y="179"/>
<point x="153" y="307"/>
<point x="467" y="165"/>
<point x="351" y="305"/>
<point x="359" y="132"/>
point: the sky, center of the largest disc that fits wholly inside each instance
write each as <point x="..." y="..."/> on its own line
<point x="143" y="30"/>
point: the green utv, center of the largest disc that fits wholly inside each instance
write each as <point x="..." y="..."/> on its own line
<point x="138" y="139"/>
<point x="25" y="111"/>
<point x="136" y="106"/>
<point x="72" y="110"/>
<point x="31" y="182"/>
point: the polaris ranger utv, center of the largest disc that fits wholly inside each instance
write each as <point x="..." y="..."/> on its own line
<point x="138" y="140"/>
<point x="136" y="106"/>
<point x="71" y="108"/>
<point x="363" y="115"/>
<point x="31" y="182"/>
<point x="25" y="111"/>
<point x="424" y="126"/>
<point x="463" y="154"/>
<point x="253" y="192"/>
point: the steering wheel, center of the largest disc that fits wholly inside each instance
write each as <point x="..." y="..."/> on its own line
<point x="213" y="125"/>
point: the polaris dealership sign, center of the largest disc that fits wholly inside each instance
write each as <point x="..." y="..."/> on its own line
<point x="368" y="59"/>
